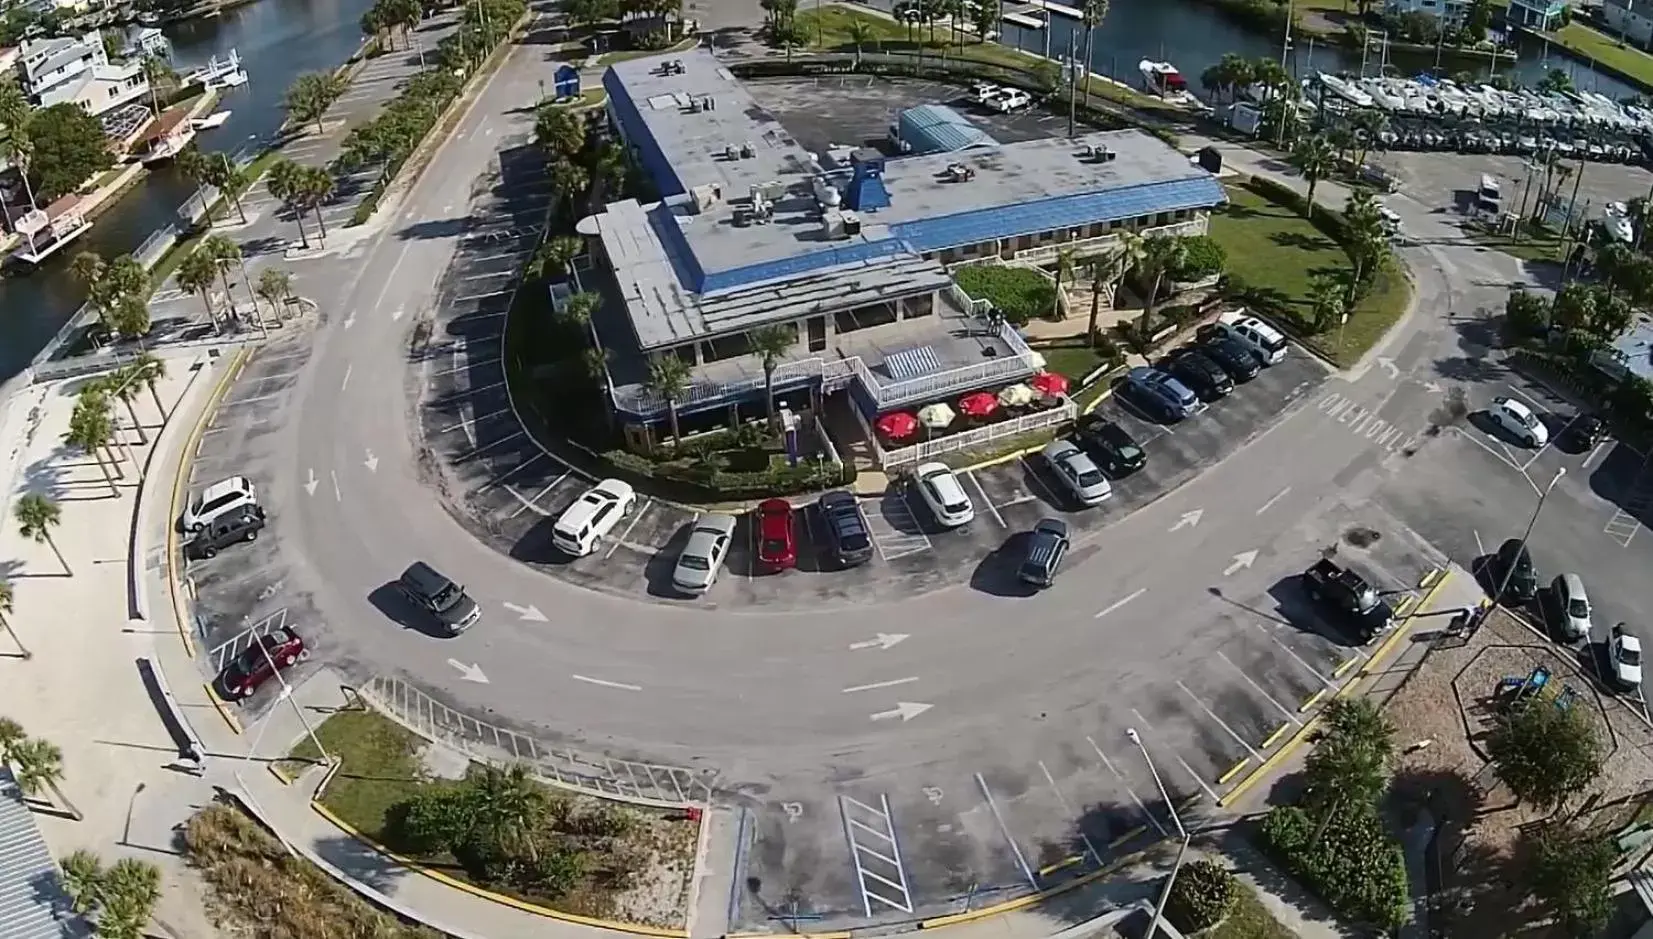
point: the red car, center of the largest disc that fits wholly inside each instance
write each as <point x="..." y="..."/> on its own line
<point x="258" y="663"/>
<point x="777" y="545"/>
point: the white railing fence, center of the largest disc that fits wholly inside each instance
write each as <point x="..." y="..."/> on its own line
<point x="925" y="449"/>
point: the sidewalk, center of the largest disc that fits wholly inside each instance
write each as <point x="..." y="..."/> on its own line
<point x="81" y="689"/>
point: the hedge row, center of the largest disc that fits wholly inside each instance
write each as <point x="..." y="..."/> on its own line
<point x="702" y="481"/>
<point x="1348" y="859"/>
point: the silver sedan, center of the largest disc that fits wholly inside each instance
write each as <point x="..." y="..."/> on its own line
<point x="702" y="558"/>
<point x="1077" y="471"/>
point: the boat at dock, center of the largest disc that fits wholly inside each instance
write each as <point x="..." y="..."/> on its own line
<point x="47" y="231"/>
<point x="1162" y="80"/>
<point x="215" y="119"/>
<point x="1026" y="20"/>
<point x="218" y="73"/>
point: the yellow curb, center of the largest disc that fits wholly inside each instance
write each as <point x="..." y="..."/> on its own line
<point x="1049" y="869"/>
<point x="185" y="458"/>
<point x="1308" y="729"/>
<point x="1003" y="458"/>
<point x="1105" y="395"/>
<point x="1127" y="836"/>
<point x="1312" y="701"/>
<point x="1276" y="735"/>
<point x="1429" y="578"/>
<point x="1232" y="772"/>
<point x="1348" y="663"/>
<point x="1406" y="605"/>
<point x="223" y="711"/>
<point x="278" y="774"/>
<point x="499" y="898"/>
<point x="1023" y="902"/>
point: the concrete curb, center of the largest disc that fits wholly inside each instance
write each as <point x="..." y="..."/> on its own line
<point x="439" y="877"/>
<point x="136" y="549"/>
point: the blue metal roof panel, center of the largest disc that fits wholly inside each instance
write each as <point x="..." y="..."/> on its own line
<point x="31" y="893"/>
<point x="936" y="128"/>
<point x="800" y="264"/>
<point x="1009" y="221"/>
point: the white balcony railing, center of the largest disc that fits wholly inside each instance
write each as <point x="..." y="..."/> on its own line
<point x="926" y="449"/>
<point x="1046" y="253"/>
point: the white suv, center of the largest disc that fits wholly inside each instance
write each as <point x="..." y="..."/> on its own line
<point x="1264" y="341"/>
<point x="592" y="516"/>
<point x="940" y="490"/>
<point x="1519" y="420"/>
<point x="220" y="498"/>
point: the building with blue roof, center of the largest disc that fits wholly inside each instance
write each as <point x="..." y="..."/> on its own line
<point x="937" y="128"/>
<point x="752" y="231"/>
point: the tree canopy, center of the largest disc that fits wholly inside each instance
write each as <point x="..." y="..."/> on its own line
<point x="1545" y="753"/>
<point x="69" y="149"/>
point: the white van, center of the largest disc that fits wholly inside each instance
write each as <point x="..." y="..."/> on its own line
<point x="592" y="516"/>
<point x="1264" y="341"/>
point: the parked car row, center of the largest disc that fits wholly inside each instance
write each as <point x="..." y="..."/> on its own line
<point x="1232" y="350"/>
<point x="224" y="513"/>
<point x="1510" y="576"/>
<point x="999" y="98"/>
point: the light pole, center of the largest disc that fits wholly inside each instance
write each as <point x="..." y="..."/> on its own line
<point x="1182" y="852"/>
<point x="287" y="695"/>
<point x="1503" y="584"/>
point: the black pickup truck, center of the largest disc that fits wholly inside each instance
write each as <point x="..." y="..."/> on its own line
<point x="1348" y="601"/>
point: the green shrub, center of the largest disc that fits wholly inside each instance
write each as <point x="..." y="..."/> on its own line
<point x="1352" y="863"/>
<point x="1201" y="896"/>
<point x="1203" y="256"/>
<point x="1020" y="293"/>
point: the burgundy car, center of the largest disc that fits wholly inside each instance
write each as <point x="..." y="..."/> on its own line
<point x="258" y="663"/>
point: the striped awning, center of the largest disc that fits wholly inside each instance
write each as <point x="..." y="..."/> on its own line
<point x="911" y="363"/>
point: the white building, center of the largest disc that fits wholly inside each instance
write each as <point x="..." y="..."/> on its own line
<point x="1449" y="12"/>
<point x="1535" y="14"/>
<point x="1630" y="18"/>
<point x="77" y="70"/>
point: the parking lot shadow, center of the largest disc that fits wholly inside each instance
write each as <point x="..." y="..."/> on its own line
<point x="657" y="572"/>
<point x="534" y="545"/>
<point x="1276" y="615"/>
<point x="389" y="600"/>
<point x="1622" y="478"/>
<point x="995" y="574"/>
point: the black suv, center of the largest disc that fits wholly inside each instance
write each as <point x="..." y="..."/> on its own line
<point x="1113" y="449"/>
<point x="226" y="530"/>
<point x="1514" y="564"/>
<point x="1202" y="376"/>
<point x="443" y="599"/>
<point x="1047" y="545"/>
<point x="1235" y="359"/>
<point x="847" y="530"/>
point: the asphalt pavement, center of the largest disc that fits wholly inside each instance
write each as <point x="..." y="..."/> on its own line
<point x="919" y="738"/>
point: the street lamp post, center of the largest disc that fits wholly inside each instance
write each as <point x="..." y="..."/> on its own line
<point x="1182" y="852"/>
<point x="1503" y="584"/>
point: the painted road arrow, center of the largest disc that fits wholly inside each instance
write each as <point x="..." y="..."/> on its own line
<point x="529" y="613"/>
<point x="906" y="710"/>
<point x="469" y="672"/>
<point x="1389" y="366"/>
<point x="1433" y="387"/>
<point x="1189" y="520"/>
<point x="311" y="483"/>
<point x="1241" y="561"/>
<point x="884" y="641"/>
<point x="350" y="319"/>
<point x="372" y="462"/>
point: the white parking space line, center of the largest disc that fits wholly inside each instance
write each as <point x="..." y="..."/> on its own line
<point x="235" y="401"/>
<point x="478" y="390"/>
<point x="1220" y="723"/>
<point x="1259" y="689"/>
<point x="463" y="424"/>
<point x="532" y="505"/>
<point x="1195" y="776"/>
<point x="486" y="275"/>
<point x="990" y="506"/>
<point x="633" y="524"/>
<point x="993" y="806"/>
<point x="475" y="453"/>
<point x="892" y="542"/>
<point x="1119" y="603"/>
<point x="1120" y="777"/>
<point x="1600" y="448"/>
<point x="1503" y="458"/>
<point x="497" y="480"/>
<point x="1062" y="800"/>
<point x="1537" y="409"/>
<point x="606" y="684"/>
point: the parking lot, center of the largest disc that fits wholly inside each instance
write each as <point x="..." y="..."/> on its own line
<point x="243" y="592"/>
<point x="1473" y="487"/>
<point x="1210" y="700"/>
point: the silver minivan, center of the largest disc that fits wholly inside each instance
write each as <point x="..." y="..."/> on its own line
<point x="1573" y="604"/>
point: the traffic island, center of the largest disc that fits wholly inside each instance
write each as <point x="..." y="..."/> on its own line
<point x="558" y="854"/>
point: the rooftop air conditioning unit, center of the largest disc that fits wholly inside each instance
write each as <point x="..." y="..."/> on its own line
<point x="852" y="224"/>
<point x="731" y="152"/>
<point x="747" y="151"/>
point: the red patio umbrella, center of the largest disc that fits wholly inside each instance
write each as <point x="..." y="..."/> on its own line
<point x="979" y="404"/>
<point x="897" y="424"/>
<point x="1049" y="383"/>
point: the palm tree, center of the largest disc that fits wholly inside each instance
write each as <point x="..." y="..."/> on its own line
<point x="510" y="808"/>
<point x="89" y="269"/>
<point x="36" y="516"/>
<point x="1104" y="268"/>
<point x="18" y="147"/>
<point x="5" y="624"/>
<point x="282" y="181"/>
<point x="1326" y="297"/>
<point x="669" y="378"/>
<point x="1091" y="15"/>
<point x="1064" y="274"/>
<point x="150" y="370"/>
<point x="580" y="307"/>
<point x="92" y="431"/>
<point x="123" y="384"/>
<point x="128" y="892"/>
<point x="554" y="256"/>
<point x="771" y="343"/>
<point x="569" y="179"/>
<point x="82" y="880"/>
<point x="595" y="362"/>
<point x="197" y="274"/>
<point x="985" y="16"/>
<point x="228" y="178"/>
<point x="11" y="734"/>
<point x="38" y="766"/>
<point x="317" y="186"/>
<point x="1161" y="255"/>
<point x="559" y="132"/>
<point x="158" y="72"/>
<point x="1314" y="158"/>
<point x="860" y="33"/>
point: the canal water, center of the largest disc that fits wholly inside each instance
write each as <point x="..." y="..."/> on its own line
<point x="277" y="40"/>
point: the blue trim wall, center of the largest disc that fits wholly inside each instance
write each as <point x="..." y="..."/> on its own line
<point x="625" y="113"/>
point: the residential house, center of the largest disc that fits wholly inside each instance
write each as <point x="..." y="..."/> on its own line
<point x="78" y="70"/>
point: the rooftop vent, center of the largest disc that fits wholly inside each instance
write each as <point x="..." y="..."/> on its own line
<point x="671" y="67"/>
<point x="747" y="151"/>
<point x="959" y="173"/>
<point x="1099" y="153"/>
<point x="852" y="224"/>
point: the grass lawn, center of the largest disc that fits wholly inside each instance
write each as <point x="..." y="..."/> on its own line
<point x="1531" y="247"/>
<point x="1277" y="252"/>
<point x="169" y="261"/>
<point x="1606" y="50"/>
<point x="1021" y="293"/>
<point x="828" y="30"/>
<point x="381" y="767"/>
<point x="1073" y="361"/>
<point x="1249" y="919"/>
<point x="609" y="58"/>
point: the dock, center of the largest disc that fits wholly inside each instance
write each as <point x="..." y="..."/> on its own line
<point x="1024" y="20"/>
<point x="46" y="232"/>
<point x="1059" y="9"/>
